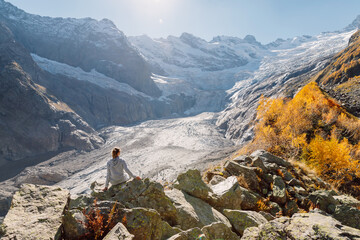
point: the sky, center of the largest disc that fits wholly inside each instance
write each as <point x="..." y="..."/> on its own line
<point x="267" y="20"/>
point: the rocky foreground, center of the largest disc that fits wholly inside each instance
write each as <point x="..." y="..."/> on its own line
<point x="259" y="196"/>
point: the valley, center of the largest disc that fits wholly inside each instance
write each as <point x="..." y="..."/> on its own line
<point x="171" y="104"/>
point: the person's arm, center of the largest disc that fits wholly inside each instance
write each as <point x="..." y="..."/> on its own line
<point x="127" y="169"/>
<point x="107" y="177"/>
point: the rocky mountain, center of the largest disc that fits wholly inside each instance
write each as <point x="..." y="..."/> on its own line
<point x="241" y="69"/>
<point x="295" y="63"/>
<point x="85" y="71"/>
<point x="66" y="82"/>
<point x="259" y="196"/>
<point x="84" y="43"/>
<point x="33" y="122"/>
<point x="341" y="78"/>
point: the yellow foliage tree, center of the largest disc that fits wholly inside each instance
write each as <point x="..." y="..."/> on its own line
<point x="312" y="127"/>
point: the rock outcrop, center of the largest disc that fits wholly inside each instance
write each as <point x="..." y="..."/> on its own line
<point x="36" y="213"/>
<point x="341" y="77"/>
<point x="143" y="209"/>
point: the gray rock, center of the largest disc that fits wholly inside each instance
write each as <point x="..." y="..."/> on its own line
<point x="191" y="234"/>
<point x="290" y="208"/>
<point x="193" y="212"/>
<point x="274" y="209"/>
<point x="38" y="208"/>
<point x="119" y="232"/>
<point x="318" y="226"/>
<point x="73" y="222"/>
<point x="242" y="160"/>
<point x="294" y="182"/>
<point x="241" y="220"/>
<point x="191" y="183"/>
<point x="251" y="233"/>
<point x="268" y="178"/>
<point x="287" y="175"/>
<point x="246" y="174"/>
<point x="300" y="190"/>
<point x="249" y="199"/>
<point x="257" y="162"/>
<point x="347" y="200"/>
<point x="323" y="200"/>
<point x="272" y="230"/>
<point x="219" y="230"/>
<point x="146" y="224"/>
<point x="141" y="193"/>
<point x="270" y="158"/>
<point x="279" y="190"/>
<point x="348" y="215"/>
<point x="267" y="215"/>
<point x="227" y="194"/>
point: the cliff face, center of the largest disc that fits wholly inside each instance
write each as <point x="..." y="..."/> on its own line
<point x="32" y="121"/>
<point x="84" y="43"/>
<point x="341" y="79"/>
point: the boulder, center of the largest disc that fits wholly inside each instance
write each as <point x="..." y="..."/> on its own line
<point x="274" y="229"/>
<point x="119" y="232"/>
<point x="257" y="162"/>
<point x="240" y="220"/>
<point x="302" y="226"/>
<point x="141" y="193"/>
<point x="146" y="224"/>
<point x="287" y="175"/>
<point x="324" y="200"/>
<point x="36" y="212"/>
<point x="249" y="199"/>
<point x="246" y="174"/>
<point x="269" y="158"/>
<point x="348" y="200"/>
<point x="227" y="194"/>
<point x="295" y="182"/>
<point x="290" y="208"/>
<point x="347" y="215"/>
<point x="300" y="190"/>
<point x="74" y="224"/>
<point x="251" y="233"/>
<point x="243" y="160"/>
<point x="278" y="191"/>
<point x="267" y="215"/>
<point x="191" y="234"/>
<point x="274" y="209"/>
<point x="316" y="225"/>
<point x="191" y="183"/>
<point x="193" y="212"/>
<point x="219" y="230"/>
<point x="268" y="178"/>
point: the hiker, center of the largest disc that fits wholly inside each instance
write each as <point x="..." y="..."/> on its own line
<point x="117" y="170"/>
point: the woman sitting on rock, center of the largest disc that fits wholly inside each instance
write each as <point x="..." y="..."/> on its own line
<point x="117" y="170"/>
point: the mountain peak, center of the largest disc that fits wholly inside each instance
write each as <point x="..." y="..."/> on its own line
<point x="354" y="25"/>
<point x="250" y="39"/>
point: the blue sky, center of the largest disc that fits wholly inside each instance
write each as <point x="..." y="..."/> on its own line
<point x="265" y="19"/>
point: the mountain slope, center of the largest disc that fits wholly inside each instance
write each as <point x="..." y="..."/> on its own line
<point x="84" y="43"/>
<point x="341" y="79"/>
<point x="32" y="121"/>
<point x="294" y="63"/>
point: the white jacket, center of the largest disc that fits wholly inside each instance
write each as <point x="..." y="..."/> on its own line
<point x="117" y="172"/>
